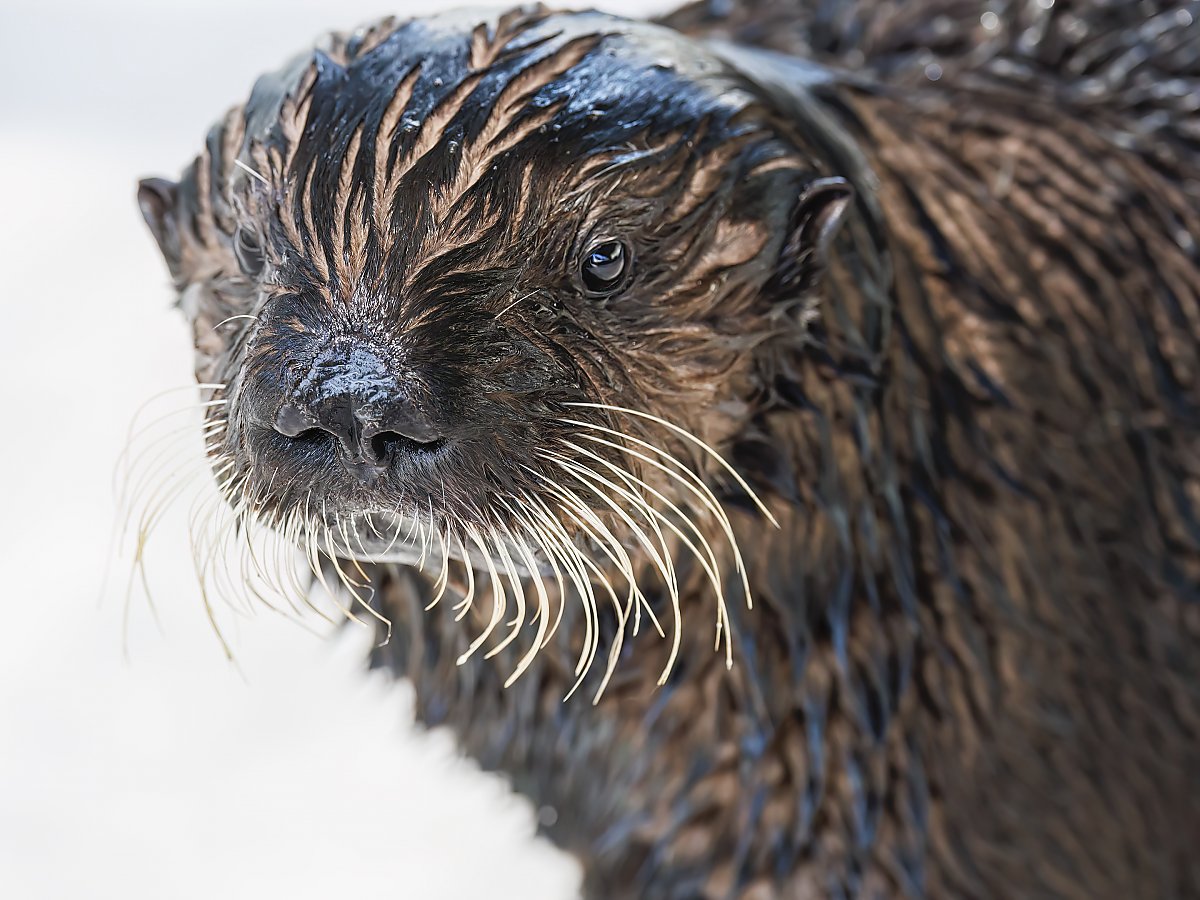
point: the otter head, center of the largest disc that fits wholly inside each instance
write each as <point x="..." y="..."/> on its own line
<point x="495" y="291"/>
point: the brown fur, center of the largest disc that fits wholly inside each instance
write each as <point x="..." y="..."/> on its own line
<point x="970" y="669"/>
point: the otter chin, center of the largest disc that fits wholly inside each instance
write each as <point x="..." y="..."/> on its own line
<point x="571" y="347"/>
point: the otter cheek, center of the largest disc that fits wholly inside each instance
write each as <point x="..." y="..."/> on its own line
<point x="208" y="342"/>
<point x="734" y="244"/>
<point x="206" y="337"/>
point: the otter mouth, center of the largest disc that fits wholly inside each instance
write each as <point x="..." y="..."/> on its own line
<point x="383" y="536"/>
<point x="596" y="515"/>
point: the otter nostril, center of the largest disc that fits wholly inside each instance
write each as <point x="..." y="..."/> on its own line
<point x="292" y="422"/>
<point x="312" y="437"/>
<point x="381" y="447"/>
<point x="387" y="444"/>
<point x="371" y="430"/>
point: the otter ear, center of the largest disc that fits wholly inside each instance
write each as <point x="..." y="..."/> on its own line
<point x="157" y="198"/>
<point x="815" y="220"/>
<point x="820" y="210"/>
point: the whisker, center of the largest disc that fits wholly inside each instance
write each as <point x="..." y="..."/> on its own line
<point x="516" y="302"/>
<point x="598" y="531"/>
<point x="695" y="441"/>
<point x="464" y="605"/>
<point x="251" y="172"/>
<point x="562" y="546"/>
<point x="443" y="578"/>
<point x="712" y="567"/>
<point x="499" y="597"/>
<point x="587" y="521"/>
<point x="693" y="483"/>
<point x="661" y="560"/>
<point x="539" y="586"/>
<point x="518" y="590"/>
<point x="234" y="319"/>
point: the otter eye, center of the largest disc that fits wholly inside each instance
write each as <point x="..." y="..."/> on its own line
<point x="248" y="251"/>
<point x="604" y="267"/>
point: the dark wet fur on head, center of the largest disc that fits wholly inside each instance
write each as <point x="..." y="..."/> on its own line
<point x="427" y="190"/>
<point x="971" y="668"/>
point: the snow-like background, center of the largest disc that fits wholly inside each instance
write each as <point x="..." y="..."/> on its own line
<point x="168" y="772"/>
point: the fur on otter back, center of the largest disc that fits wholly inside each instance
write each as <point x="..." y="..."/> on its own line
<point x="972" y="664"/>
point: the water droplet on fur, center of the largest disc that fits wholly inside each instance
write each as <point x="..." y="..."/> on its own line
<point x="933" y="72"/>
<point x="990" y="21"/>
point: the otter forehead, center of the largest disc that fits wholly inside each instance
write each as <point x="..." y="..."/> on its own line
<point x="605" y="79"/>
<point x="461" y="139"/>
<point x="405" y="141"/>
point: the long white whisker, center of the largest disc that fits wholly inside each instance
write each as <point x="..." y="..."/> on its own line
<point x="560" y="544"/>
<point x="695" y="441"/>
<point x="464" y="605"/>
<point x="591" y="480"/>
<point x="712" y="568"/>
<point x="539" y="586"/>
<point x="687" y="479"/>
<point x="499" y="597"/>
<point x="518" y="590"/>
<point x="600" y="532"/>
<point x="589" y="523"/>
<point x="443" y="578"/>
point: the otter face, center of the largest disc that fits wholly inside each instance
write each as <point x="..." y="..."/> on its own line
<point x="492" y="291"/>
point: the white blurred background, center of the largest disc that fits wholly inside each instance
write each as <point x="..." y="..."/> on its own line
<point x="166" y="772"/>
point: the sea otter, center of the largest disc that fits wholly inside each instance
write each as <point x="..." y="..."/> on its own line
<point x="861" y="340"/>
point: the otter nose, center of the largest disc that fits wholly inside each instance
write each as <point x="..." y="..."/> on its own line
<point x="354" y="397"/>
<point x="365" y="434"/>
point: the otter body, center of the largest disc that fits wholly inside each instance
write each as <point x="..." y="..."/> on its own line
<point x="971" y="666"/>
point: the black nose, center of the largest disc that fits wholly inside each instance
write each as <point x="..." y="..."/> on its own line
<point x="353" y="395"/>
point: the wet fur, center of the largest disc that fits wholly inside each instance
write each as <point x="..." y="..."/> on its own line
<point x="971" y="665"/>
